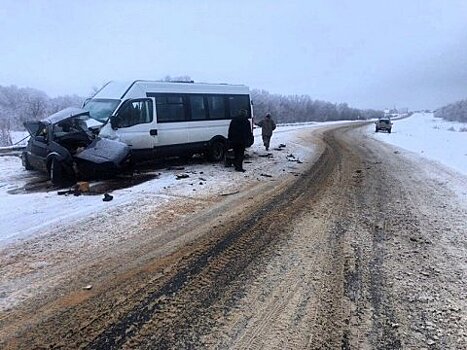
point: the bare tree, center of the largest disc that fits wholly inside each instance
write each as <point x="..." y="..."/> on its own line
<point x="456" y="111"/>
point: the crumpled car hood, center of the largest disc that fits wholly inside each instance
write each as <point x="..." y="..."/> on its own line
<point x="32" y="126"/>
<point x="64" y="114"/>
<point x="102" y="151"/>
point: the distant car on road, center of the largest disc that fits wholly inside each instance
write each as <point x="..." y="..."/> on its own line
<point x="383" y="124"/>
<point x="64" y="146"/>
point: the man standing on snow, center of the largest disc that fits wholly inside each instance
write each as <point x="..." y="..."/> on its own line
<point x="240" y="137"/>
<point x="267" y="126"/>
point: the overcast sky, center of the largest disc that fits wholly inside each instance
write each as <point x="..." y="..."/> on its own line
<point x="368" y="53"/>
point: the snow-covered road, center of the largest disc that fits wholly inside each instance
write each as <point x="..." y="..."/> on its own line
<point x="365" y="240"/>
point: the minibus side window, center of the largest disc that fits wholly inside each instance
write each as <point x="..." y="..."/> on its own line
<point x="198" y="109"/>
<point x="238" y="102"/>
<point x="216" y="107"/>
<point x="170" y="108"/>
<point x="136" y="112"/>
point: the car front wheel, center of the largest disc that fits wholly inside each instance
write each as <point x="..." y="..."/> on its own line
<point x="56" y="172"/>
<point x="25" y="160"/>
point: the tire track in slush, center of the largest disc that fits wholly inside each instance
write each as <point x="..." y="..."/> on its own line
<point x="169" y="311"/>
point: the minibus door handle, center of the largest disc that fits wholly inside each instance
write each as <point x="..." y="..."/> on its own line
<point x="153" y="132"/>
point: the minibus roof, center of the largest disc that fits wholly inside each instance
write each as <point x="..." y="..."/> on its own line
<point x="139" y="88"/>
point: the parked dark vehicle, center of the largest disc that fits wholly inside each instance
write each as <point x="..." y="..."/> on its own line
<point x="65" y="146"/>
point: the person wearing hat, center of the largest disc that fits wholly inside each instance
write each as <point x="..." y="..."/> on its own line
<point x="267" y="126"/>
<point x="240" y="137"/>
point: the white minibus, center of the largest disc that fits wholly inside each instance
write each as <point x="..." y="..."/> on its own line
<point x="161" y="119"/>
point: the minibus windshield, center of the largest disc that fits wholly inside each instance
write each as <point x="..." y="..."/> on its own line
<point x="101" y="109"/>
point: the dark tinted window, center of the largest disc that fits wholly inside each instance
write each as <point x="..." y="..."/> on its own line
<point x="198" y="109"/>
<point x="170" y="108"/>
<point x="216" y="107"/>
<point x="136" y="112"/>
<point x="238" y="102"/>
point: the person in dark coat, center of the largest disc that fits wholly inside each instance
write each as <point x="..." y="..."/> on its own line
<point x="240" y="137"/>
<point x="267" y="126"/>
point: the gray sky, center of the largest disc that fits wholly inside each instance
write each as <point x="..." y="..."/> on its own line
<point x="368" y="53"/>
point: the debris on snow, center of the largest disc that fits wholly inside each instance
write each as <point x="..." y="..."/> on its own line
<point x="107" y="197"/>
<point x="83" y="186"/>
<point x="229" y="193"/>
<point x="64" y="192"/>
<point x="291" y="158"/>
<point x="181" y="176"/>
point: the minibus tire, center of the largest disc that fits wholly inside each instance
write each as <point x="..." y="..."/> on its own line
<point x="216" y="151"/>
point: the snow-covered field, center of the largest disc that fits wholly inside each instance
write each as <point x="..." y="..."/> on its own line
<point x="31" y="214"/>
<point x="430" y="137"/>
<point x="438" y="146"/>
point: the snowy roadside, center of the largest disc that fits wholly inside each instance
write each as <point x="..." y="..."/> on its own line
<point x="432" y="138"/>
<point x="27" y="215"/>
<point x="432" y="142"/>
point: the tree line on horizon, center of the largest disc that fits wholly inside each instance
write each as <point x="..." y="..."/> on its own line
<point x="18" y="105"/>
<point x="302" y="108"/>
<point x="456" y="111"/>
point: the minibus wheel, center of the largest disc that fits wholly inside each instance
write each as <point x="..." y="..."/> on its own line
<point x="216" y="151"/>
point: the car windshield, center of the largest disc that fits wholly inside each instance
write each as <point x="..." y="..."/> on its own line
<point x="100" y="109"/>
<point x="71" y="126"/>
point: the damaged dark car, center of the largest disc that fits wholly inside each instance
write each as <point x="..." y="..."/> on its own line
<point x="66" y="146"/>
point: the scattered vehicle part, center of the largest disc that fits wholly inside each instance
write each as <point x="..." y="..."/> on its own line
<point x="65" y="146"/>
<point x="291" y="158"/>
<point x="83" y="186"/>
<point x="229" y="193"/>
<point x="107" y="197"/>
<point x="181" y="176"/>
